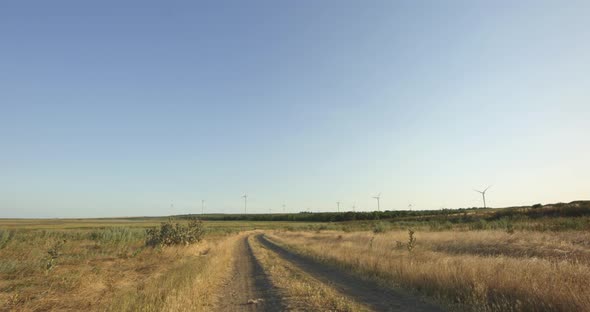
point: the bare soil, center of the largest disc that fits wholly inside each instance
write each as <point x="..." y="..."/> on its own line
<point x="249" y="289"/>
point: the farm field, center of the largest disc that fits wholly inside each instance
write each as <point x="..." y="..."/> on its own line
<point x="241" y="265"/>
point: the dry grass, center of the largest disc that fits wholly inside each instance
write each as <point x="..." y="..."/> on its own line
<point x="82" y="273"/>
<point x="479" y="270"/>
<point x="103" y="265"/>
<point x="191" y="284"/>
<point x="105" y="269"/>
<point x="301" y="291"/>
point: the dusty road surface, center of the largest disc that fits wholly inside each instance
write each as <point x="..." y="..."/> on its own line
<point x="249" y="289"/>
<point x="369" y="293"/>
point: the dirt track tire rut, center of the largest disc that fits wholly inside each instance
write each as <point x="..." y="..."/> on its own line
<point x="369" y="293"/>
<point x="249" y="289"/>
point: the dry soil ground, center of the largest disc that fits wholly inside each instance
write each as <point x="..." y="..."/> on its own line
<point x="251" y="289"/>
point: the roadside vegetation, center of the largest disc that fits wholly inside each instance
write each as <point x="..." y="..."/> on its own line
<point x="171" y="233"/>
<point x="191" y="283"/>
<point x="465" y="270"/>
<point x="110" y="268"/>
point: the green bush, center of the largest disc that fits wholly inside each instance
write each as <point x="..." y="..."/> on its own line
<point x="440" y="226"/>
<point x="411" y="240"/>
<point x="52" y="254"/>
<point x="320" y="228"/>
<point x="481" y="224"/>
<point x="170" y="233"/>
<point x="5" y="237"/>
<point x="381" y="227"/>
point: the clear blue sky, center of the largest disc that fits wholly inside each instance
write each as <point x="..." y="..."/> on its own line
<point x="120" y="108"/>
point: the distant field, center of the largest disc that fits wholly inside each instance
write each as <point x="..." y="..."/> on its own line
<point x="64" y="224"/>
<point x="85" y="224"/>
<point x="515" y="259"/>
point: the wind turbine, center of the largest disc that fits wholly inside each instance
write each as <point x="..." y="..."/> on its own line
<point x="483" y="194"/>
<point x="377" y="198"/>
<point x="202" y="206"/>
<point x="245" y="196"/>
<point x="410" y="207"/>
<point x="283" y="208"/>
<point x="353" y="207"/>
<point x="338" y="205"/>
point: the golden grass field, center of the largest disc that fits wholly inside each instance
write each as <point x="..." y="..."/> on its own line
<point x="104" y="265"/>
<point x="113" y="272"/>
<point x="490" y="270"/>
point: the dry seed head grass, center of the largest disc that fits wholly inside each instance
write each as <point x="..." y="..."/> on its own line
<point x="461" y="274"/>
<point x="94" y="268"/>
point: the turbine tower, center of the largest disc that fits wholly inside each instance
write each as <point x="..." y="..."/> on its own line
<point x="410" y="207"/>
<point x="245" y="202"/>
<point x="377" y="198"/>
<point x="353" y="207"/>
<point x="202" y="206"/>
<point x="338" y="205"/>
<point x="483" y="194"/>
<point x="283" y="208"/>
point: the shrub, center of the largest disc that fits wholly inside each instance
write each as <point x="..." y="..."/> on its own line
<point x="481" y="224"/>
<point x="320" y="228"/>
<point x="5" y="237"/>
<point x="411" y="240"/>
<point x="53" y="253"/>
<point x="380" y="227"/>
<point x="171" y="233"/>
<point x="346" y="228"/>
<point x="509" y="228"/>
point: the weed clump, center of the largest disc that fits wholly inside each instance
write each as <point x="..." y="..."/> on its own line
<point x="411" y="240"/>
<point x="170" y="233"/>
<point x="380" y="227"/>
<point x="5" y="237"/>
<point x="53" y="253"/>
<point x="321" y="228"/>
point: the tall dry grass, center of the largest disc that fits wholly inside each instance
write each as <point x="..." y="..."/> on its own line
<point x="105" y="269"/>
<point x="482" y="270"/>
<point x="191" y="284"/>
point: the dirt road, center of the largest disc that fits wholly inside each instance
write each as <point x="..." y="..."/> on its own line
<point x="366" y="292"/>
<point x="249" y="289"/>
